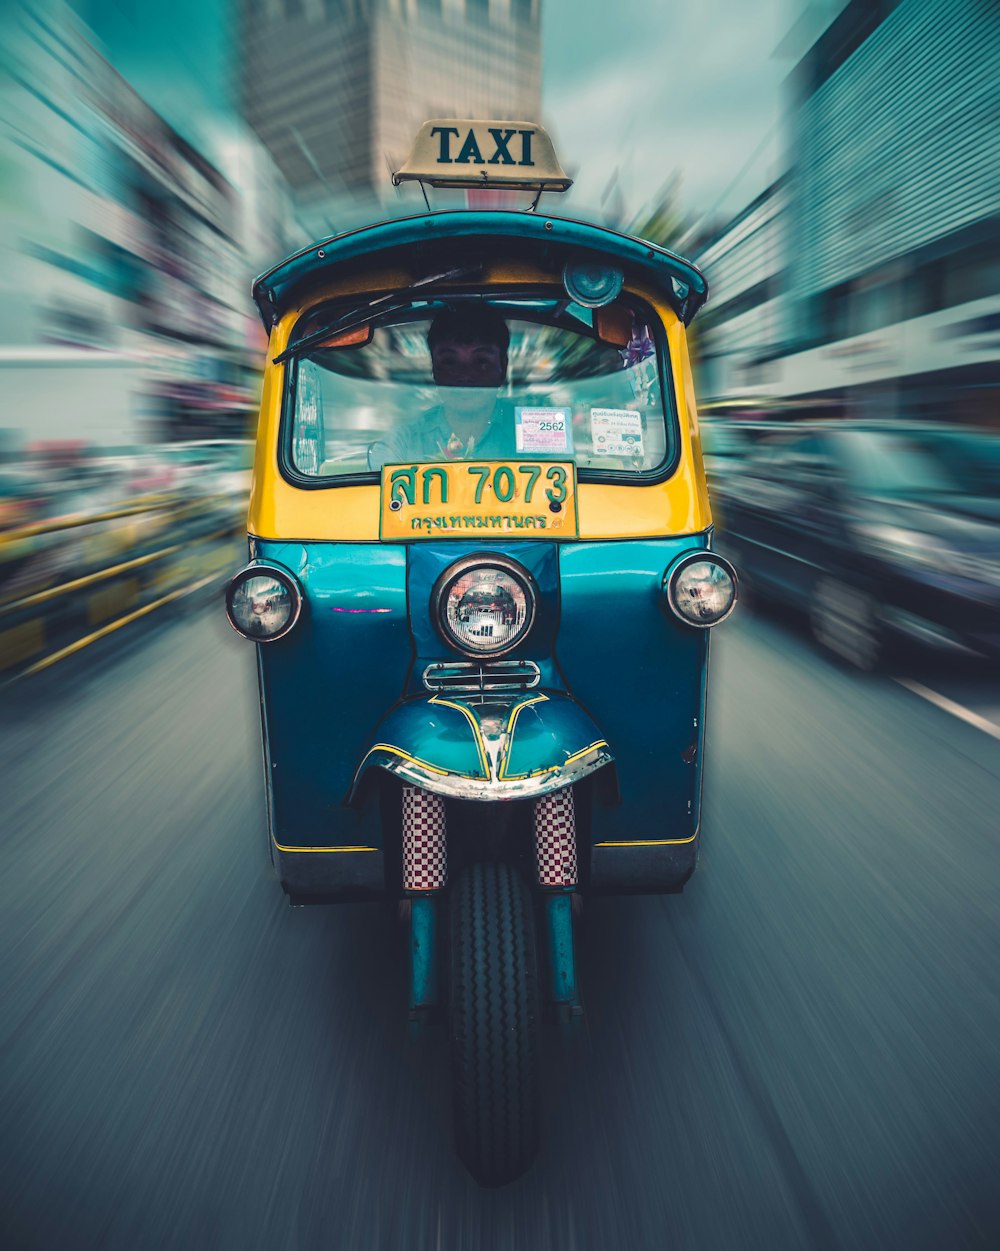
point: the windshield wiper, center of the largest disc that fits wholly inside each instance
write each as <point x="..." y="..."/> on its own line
<point x="384" y="303"/>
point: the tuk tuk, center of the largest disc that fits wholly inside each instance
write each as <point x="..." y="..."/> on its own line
<point x="480" y="580"/>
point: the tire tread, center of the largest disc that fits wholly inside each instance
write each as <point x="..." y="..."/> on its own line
<point x="494" y="1022"/>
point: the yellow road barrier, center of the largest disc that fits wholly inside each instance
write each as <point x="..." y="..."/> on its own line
<point x="76" y="584"/>
<point x="71" y="649"/>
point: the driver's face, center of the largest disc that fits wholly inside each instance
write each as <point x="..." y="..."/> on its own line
<point x="468" y="364"/>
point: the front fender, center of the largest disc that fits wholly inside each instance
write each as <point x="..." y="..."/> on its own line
<point x="515" y="747"/>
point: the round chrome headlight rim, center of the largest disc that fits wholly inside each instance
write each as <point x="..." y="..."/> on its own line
<point x="694" y="558"/>
<point x="482" y="560"/>
<point x="280" y="574"/>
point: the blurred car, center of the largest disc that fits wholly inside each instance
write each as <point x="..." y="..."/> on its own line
<point x="880" y="533"/>
<point x="723" y="444"/>
<point x="21" y="496"/>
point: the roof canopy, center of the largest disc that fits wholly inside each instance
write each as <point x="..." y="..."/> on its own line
<point x="435" y="241"/>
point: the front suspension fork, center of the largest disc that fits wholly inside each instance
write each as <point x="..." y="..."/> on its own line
<point x="425" y="875"/>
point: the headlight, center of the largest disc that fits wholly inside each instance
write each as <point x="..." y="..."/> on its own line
<point x="263" y="603"/>
<point x="701" y="588"/>
<point x="484" y="605"/>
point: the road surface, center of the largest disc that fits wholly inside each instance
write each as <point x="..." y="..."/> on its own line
<point x="799" y="1052"/>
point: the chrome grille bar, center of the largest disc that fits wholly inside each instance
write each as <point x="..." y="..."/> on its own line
<point x="473" y="676"/>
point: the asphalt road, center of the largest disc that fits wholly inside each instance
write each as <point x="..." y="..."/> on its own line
<point x="799" y="1052"/>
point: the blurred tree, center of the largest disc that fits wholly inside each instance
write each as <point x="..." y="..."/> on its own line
<point x="662" y="221"/>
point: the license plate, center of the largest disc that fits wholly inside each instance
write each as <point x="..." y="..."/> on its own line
<point x="494" y="499"/>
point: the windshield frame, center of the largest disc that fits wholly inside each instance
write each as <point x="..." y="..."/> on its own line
<point x="613" y="477"/>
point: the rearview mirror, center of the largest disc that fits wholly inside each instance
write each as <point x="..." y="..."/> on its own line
<point x="613" y="324"/>
<point x="357" y="337"/>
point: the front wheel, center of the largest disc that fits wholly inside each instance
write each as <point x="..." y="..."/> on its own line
<point x="845" y="620"/>
<point x="495" y="1020"/>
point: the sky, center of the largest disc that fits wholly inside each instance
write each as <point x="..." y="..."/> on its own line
<point x="661" y="90"/>
<point x="654" y="91"/>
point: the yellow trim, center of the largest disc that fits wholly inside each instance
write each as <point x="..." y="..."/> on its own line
<point x="694" y="434"/>
<point x="282" y="847"/>
<point x="537" y="773"/>
<point x="398" y="751"/>
<point x="647" y="842"/>
<point x="580" y="754"/>
<point x="484" y="759"/>
<point x="279" y="510"/>
<point x="515" y="712"/>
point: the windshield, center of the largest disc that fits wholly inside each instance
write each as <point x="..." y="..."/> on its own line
<point x="898" y="463"/>
<point x="480" y="379"/>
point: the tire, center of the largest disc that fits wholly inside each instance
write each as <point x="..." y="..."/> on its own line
<point x="494" y="1023"/>
<point x="845" y="620"/>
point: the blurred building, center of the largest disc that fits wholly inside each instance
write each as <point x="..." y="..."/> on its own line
<point x="745" y="261"/>
<point x="336" y="89"/>
<point x="267" y="226"/>
<point x="122" y="255"/>
<point x="889" y="221"/>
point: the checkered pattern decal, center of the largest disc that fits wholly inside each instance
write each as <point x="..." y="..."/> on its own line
<point x="555" y="838"/>
<point x="425" y="840"/>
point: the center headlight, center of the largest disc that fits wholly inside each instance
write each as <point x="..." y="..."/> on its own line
<point x="484" y="605"/>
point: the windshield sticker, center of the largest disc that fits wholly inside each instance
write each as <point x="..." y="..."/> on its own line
<point x="543" y="430"/>
<point x="616" y="432"/>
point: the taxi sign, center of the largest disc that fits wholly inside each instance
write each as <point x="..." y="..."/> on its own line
<point x="456" y="152"/>
<point x="491" y="500"/>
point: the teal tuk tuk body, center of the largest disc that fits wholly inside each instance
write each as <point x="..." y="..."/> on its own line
<point x="606" y="691"/>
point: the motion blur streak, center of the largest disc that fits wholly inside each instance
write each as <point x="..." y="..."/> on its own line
<point x="187" y="1062"/>
<point x="800" y="1051"/>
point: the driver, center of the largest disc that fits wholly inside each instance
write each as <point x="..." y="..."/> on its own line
<point x="468" y="350"/>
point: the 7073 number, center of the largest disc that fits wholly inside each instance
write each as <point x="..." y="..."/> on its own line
<point x="504" y="482"/>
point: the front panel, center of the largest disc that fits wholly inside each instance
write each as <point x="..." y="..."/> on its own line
<point x="602" y="635"/>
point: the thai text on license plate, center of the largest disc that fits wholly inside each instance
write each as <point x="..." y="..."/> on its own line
<point x="492" y="499"/>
